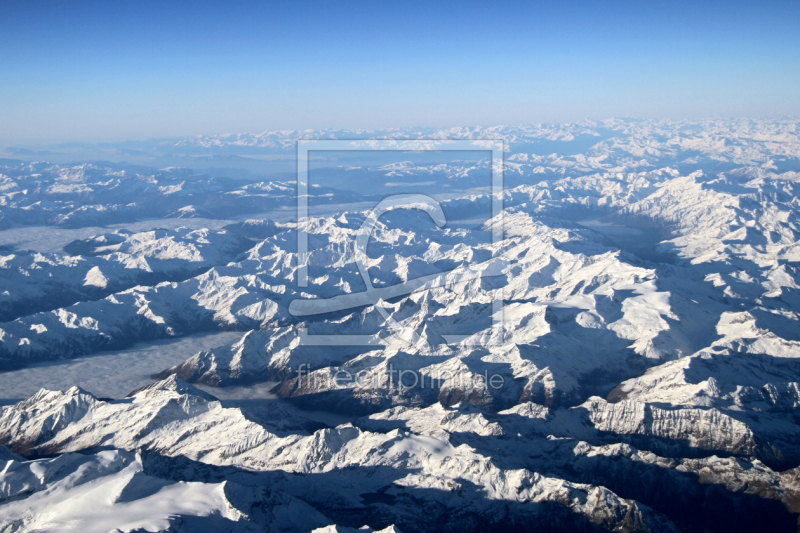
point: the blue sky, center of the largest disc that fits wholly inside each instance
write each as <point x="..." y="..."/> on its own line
<point x="126" y="69"/>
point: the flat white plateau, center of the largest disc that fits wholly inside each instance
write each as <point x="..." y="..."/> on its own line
<point x="48" y="239"/>
<point x="110" y="374"/>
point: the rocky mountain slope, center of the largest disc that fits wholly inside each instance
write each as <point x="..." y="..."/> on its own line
<point x="466" y="467"/>
<point x="96" y="267"/>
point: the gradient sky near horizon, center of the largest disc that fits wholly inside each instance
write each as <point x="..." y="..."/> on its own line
<point x="95" y="71"/>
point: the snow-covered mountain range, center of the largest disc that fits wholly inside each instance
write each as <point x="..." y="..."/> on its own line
<point x="96" y="194"/>
<point x="645" y="376"/>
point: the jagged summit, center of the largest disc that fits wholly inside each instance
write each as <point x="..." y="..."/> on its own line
<point x="172" y="383"/>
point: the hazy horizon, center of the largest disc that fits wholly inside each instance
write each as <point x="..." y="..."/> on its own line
<point x="110" y="72"/>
